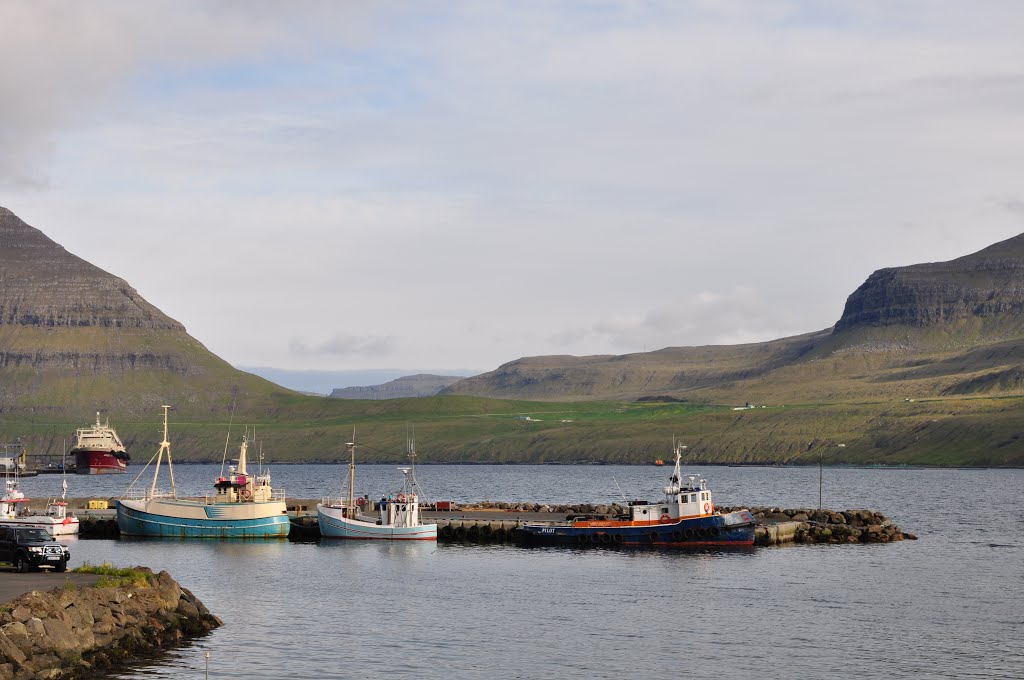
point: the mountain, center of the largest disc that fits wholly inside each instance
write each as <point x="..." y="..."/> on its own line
<point x="895" y="382"/>
<point x="419" y="385"/>
<point x="76" y="339"/>
<point x="44" y="286"/>
<point x="982" y="289"/>
<point x="922" y="330"/>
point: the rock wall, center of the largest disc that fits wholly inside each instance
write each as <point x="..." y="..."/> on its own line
<point x="41" y="284"/>
<point x="989" y="283"/>
<point x="65" y="634"/>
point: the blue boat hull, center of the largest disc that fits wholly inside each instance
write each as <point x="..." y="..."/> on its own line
<point x="134" y="522"/>
<point x="722" y="531"/>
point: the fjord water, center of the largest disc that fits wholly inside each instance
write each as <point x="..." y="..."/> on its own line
<point x="950" y="605"/>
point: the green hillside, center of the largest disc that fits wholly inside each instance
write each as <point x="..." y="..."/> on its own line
<point x="953" y="431"/>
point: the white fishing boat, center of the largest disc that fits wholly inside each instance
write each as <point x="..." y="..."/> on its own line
<point x="242" y="506"/>
<point x="15" y="512"/>
<point x="395" y="518"/>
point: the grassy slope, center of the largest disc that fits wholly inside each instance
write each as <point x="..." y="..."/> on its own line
<point x="959" y="431"/>
<point x="852" y="397"/>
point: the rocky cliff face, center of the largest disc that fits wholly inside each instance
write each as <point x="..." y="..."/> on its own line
<point x="41" y="284"/>
<point x="984" y="285"/>
<point x="78" y="339"/>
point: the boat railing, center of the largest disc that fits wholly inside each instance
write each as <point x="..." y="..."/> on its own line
<point x="277" y="495"/>
<point x="339" y="503"/>
<point x="143" y="494"/>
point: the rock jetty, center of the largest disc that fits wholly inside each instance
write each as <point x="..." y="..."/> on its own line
<point x="778" y="525"/>
<point x="69" y="633"/>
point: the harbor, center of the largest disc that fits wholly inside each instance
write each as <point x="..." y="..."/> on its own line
<point x="592" y="596"/>
<point x="497" y="522"/>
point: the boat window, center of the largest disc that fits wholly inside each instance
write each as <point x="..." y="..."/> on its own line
<point x="664" y="511"/>
<point x="645" y="512"/>
<point x="693" y="498"/>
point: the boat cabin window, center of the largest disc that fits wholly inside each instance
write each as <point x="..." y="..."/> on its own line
<point x="664" y="511"/>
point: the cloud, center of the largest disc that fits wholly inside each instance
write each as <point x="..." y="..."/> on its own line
<point x="507" y="179"/>
<point x="342" y="345"/>
<point x="737" y="315"/>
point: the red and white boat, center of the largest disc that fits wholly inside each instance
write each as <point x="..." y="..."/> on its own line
<point x="99" y="450"/>
<point x="14" y="512"/>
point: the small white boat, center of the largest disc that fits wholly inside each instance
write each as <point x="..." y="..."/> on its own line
<point x="243" y="506"/>
<point x="395" y="518"/>
<point x="14" y="512"/>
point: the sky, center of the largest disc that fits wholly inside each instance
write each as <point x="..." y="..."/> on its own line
<point x="353" y="186"/>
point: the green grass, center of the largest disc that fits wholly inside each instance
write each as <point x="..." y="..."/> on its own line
<point x="115" y="577"/>
<point x="815" y="403"/>
<point x="458" y="429"/>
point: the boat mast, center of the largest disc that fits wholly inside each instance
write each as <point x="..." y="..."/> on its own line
<point x="352" y="475"/>
<point x="410" y="444"/>
<point x="242" y="457"/>
<point x="165" y="445"/>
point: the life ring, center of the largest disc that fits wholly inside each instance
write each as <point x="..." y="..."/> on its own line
<point x="245" y="494"/>
<point x="666" y="518"/>
<point x="67" y="520"/>
<point x="360" y="501"/>
<point x="400" y="498"/>
<point x="707" y="507"/>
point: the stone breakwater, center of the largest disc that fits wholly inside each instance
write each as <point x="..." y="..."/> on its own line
<point x="68" y="633"/>
<point x="778" y="525"/>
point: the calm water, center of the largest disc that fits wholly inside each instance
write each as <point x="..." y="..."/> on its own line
<point x="949" y="605"/>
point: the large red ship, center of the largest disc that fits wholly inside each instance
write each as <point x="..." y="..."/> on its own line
<point x="99" y="450"/>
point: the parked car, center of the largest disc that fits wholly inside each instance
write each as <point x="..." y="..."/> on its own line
<point x="30" y="548"/>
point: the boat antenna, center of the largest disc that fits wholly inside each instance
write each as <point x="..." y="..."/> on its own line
<point x="224" y="458"/>
<point x="626" y="500"/>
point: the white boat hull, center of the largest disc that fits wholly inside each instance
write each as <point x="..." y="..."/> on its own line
<point x="56" y="527"/>
<point x="334" y="525"/>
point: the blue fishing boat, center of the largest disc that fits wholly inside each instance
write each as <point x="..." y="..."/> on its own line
<point x="685" y="519"/>
<point x="242" y="505"/>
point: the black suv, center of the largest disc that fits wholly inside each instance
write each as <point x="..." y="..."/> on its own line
<point x="29" y="548"/>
